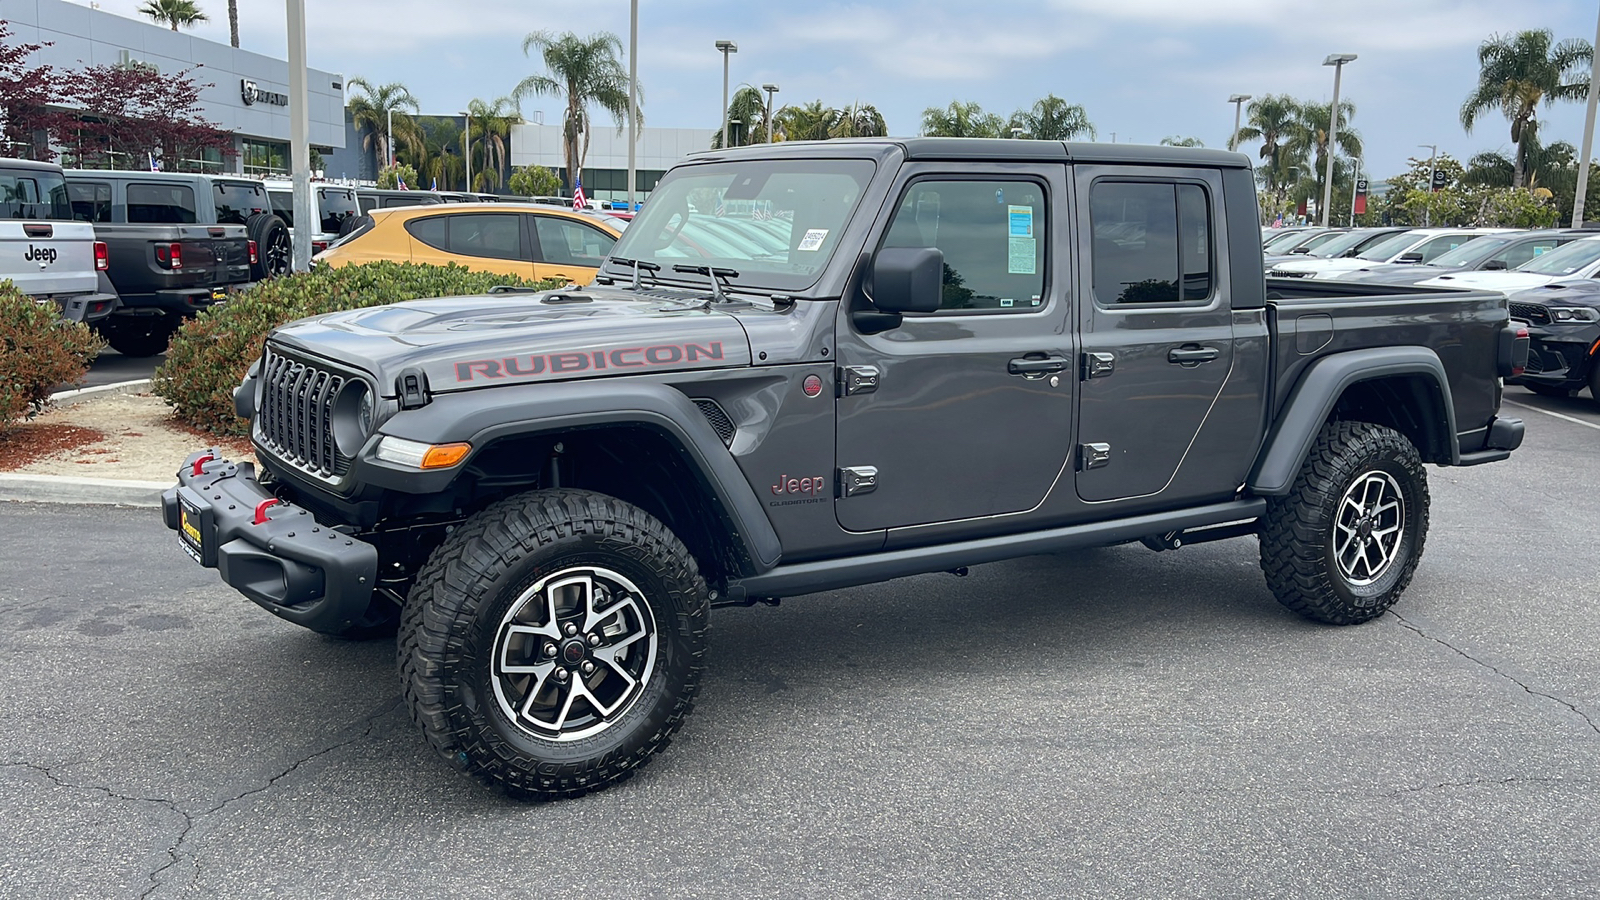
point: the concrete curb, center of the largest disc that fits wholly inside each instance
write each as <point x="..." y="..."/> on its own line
<point x="96" y="491"/>
<point x="68" y="398"/>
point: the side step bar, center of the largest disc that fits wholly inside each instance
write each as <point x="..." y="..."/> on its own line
<point x="832" y="574"/>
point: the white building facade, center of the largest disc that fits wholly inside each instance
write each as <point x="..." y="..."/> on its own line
<point x="605" y="169"/>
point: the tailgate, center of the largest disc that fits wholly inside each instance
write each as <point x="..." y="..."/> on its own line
<point x="222" y="252"/>
<point x="48" y="257"/>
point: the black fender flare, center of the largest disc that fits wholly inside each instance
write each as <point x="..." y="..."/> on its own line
<point x="483" y="416"/>
<point x="1317" y="393"/>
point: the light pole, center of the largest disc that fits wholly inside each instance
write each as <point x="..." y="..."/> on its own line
<point x="388" y="136"/>
<point x="1337" y="60"/>
<point x="1427" y="209"/>
<point x="1238" y="105"/>
<point x="1017" y="132"/>
<point x="727" y="48"/>
<point x="770" y="89"/>
<point x="1588" y="138"/>
<point x="299" y="135"/>
<point x="466" y="146"/>
<point x="633" y="98"/>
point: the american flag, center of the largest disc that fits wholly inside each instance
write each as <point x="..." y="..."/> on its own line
<point x="401" y="184"/>
<point x="578" y="200"/>
<point x="721" y="209"/>
<point x="762" y="211"/>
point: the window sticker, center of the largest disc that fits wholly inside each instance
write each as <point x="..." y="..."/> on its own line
<point x="813" y="239"/>
<point x="1019" y="260"/>
<point x="1006" y="302"/>
<point x="1021" y="219"/>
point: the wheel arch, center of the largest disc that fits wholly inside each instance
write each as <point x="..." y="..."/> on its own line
<point x="1404" y="388"/>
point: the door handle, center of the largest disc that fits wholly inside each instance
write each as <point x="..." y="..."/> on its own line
<point x="1035" y="368"/>
<point x="1192" y="356"/>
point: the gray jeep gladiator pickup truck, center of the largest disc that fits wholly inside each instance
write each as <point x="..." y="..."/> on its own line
<point x="813" y="365"/>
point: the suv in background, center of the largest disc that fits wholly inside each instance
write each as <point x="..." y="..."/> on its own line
<point x="1564" y="338"/>
<point x="370" y="199"/>
<point x="46" y="254"/>
<point x="337" y="210"/>
<point x="177" y="243"/>
<point x="1419" y="245"/>
<point x="1489" y="253"/>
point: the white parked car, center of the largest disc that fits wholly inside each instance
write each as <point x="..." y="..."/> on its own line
<point x="1579" y="259"/>
<point x="1419" y="245"/>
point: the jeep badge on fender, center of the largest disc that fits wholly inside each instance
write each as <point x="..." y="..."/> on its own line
<point x="545" y="498"/>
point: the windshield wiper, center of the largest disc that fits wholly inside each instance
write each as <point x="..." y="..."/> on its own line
<point x="714" y="274"/>
<point x="638" y="265"/>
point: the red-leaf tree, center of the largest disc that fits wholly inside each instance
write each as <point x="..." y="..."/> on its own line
<point x="27" y="119"/>
<point x="128" y="113"/>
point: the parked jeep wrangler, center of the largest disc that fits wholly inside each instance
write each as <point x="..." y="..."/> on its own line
<point x="902" y="357"/>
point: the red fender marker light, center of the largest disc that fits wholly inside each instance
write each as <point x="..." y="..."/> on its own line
<point x="812" y="385"/>
<point x="261" y="509"/>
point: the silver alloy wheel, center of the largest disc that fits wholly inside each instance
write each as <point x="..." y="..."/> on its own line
<point x="573" y="652"/>
<point x="1368" y="527"/>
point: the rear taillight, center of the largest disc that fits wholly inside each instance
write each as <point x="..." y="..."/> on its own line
<point x="1522" y="338"/>
<point x="170" y="255"/>
<point x="255" y="255"/>
<point x="102" y="257"/>
<point x="318" y="246"/>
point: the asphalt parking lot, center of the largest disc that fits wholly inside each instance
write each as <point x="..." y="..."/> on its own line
<point x="1112" y="723"/>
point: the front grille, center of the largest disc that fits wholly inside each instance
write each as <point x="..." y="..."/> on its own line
<point x="295" y="421"/>
<point x="1530" y="312"/>
<point x="720" y="423"/>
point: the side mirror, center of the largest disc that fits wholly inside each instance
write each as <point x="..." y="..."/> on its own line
<point x="1414" y="256"/>
<point x="908" y="279"/>
<point x="1301" y="250"/>
<point x="1495" y="265"/>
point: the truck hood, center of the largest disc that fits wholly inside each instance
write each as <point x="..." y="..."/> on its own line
<point x="1491" y="281"/>
<point x="461" y="343"/>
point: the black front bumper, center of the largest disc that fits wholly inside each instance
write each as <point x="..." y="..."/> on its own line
<point x="1559" y="355"/>
<point x="275" y="553"/>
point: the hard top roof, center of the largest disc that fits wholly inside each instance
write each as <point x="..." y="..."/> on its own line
<point x="33" y="164"/>
<point x="986" y="149"/>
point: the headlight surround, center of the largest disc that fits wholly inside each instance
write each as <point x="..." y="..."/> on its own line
<point x="352" y="416"/>
<point x="1573" y="315"/>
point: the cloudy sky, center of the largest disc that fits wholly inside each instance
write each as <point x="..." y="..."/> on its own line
<point x="1143" y="69"/>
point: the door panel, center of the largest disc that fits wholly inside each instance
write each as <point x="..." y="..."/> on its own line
<point x="1158" y="333"/>
<point x="970" y="413"/>
<point x="566" y="249"/>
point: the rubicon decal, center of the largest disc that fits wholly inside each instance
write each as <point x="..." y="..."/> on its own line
<point x="652" y="356"/>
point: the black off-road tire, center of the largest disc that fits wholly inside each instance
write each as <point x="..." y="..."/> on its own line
<point x="138" y="336"/>
<point x="455" y="634"/>
<point x="1299" y="531"/>
<point x="348" y="224"/>
<point x="1549" y="390"/>
<point x="274" y="252"/>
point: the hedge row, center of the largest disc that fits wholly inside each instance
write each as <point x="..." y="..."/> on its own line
<point x="38" y="351"/>
<point x="211" y="352"/>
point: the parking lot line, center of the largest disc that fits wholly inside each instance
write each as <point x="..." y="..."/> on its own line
<point x="1556" y="414"/>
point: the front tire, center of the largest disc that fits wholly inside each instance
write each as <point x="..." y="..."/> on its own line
<point x="1342" y="546"/>
<point x="554" y="643"/>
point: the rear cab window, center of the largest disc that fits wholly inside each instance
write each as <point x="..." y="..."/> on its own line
<point x="335" y="206"/>
<point x="161" y="204"/>
<point x="33" y="194"/>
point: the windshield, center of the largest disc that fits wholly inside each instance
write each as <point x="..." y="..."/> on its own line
<point x="1387" y="250"/>
<point x="1280" y="242"/>
<point x="1564" y="260"/>
<point x="237" y="201"/>
<point x="1338" y="245"/>
<point x="33" y="194"/>
<point x="1469" y="253"/>
<point x="774" y="221"/>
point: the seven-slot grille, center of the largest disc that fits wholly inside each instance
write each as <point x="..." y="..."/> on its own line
<point x="1530" y="312"/>
<point x="295" y="421"/>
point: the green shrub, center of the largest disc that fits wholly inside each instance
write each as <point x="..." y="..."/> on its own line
<point x="534" y="181"/>
<point x="389" y="177"/>
<point x="38" y="350"/>
<point x="211" y="352"/>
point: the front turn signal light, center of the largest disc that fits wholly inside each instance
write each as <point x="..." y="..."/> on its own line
<point x="443" y="456"/>
<point x="419" y="455"/>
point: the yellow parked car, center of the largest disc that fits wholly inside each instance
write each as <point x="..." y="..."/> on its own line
<point x="534" y="242"/>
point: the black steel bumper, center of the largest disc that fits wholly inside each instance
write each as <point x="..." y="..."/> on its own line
<point x="276" y="554"/>
<point x="86" y="308"/>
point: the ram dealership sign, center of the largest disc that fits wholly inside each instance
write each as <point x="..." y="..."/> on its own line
<point x="253" y="94"/>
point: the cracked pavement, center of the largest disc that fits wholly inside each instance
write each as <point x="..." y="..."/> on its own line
<point x="1112" y="723"/>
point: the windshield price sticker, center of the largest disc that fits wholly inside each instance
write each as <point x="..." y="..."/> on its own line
<point x="813" y="239"/>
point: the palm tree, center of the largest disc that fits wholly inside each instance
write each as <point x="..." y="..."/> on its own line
<point x="1516" y="73"/>
<point x="489" y="133"/>
<point x="173" y="12"/>
<point x="809" y="122"/>
<point x="1310" y="139"/>
<point x="233" y="21"/>
<point x="1272" y="121"/>
<point x="371" y="111"/>
<point x="747" y="118"/>
<point x="584" y="72"/>
<point x="860" y="120"/>
<point x="961" y="120"/>
<point x="433" y="147"/>
<point x="1054" y="119"/>
<point x="1175" y="141"/>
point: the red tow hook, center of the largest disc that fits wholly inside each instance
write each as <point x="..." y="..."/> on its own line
<point x="261" y="509"/>
<point x="199" y="464"/>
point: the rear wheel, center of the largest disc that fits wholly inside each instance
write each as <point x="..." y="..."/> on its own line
<point x="274" y="253"/>
<point x="138" y="336"/>
<point x="554" y="643"/>
<point x="1342" y="546"/>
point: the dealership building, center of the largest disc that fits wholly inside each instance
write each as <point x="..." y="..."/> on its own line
<point x="248" y="93"/>
<point x="605" y="168"/>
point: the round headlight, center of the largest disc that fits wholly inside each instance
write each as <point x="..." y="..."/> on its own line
<point x="352" y="416"/>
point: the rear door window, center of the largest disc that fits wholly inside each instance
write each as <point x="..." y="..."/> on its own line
<point x="31" y="194"/>
<point x="568" y="242"/>
<point x="283" y="206"/>
<point x="91" y="201"/>
<point x="161" y="204"/>
<point x="336" y="205"/>
<point x="237" y="201"/>
<point x="1518" y="254"/>
<point x="1152" y="242"/>
<point x="492" y="235"/>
